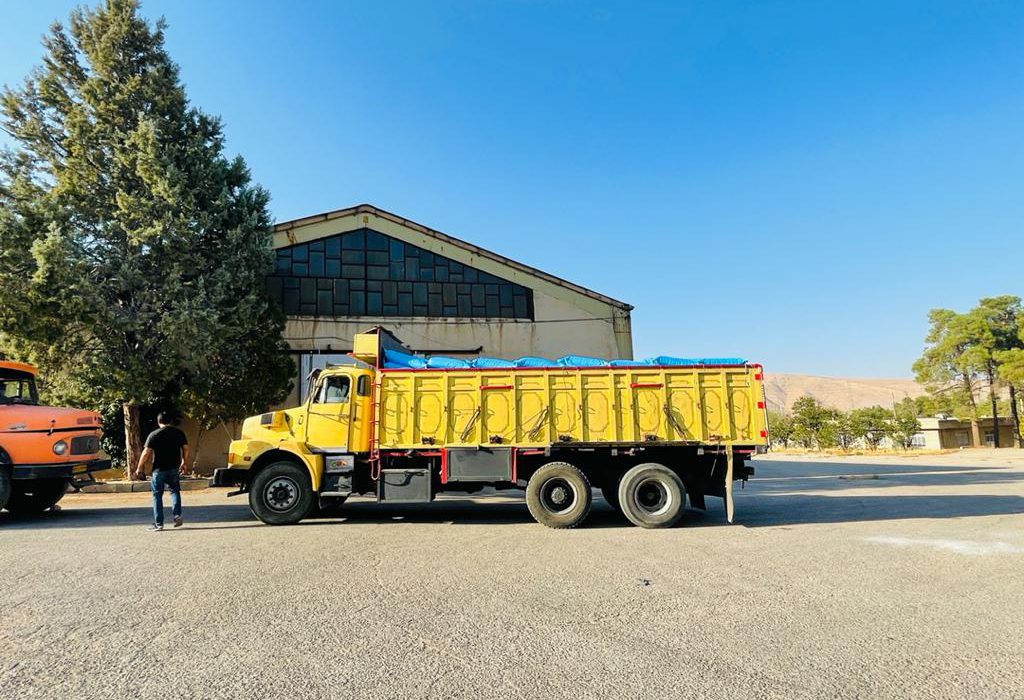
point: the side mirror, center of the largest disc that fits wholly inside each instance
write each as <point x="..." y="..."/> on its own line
<point x="311" y="382"/>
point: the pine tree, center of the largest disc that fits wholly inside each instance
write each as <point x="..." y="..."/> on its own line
<point x="133" y="251"/>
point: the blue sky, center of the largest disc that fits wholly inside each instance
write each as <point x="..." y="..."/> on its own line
<point x="793" y="182"/>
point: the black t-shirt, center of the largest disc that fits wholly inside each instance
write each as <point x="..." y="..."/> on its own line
<point x="166" y="444"/>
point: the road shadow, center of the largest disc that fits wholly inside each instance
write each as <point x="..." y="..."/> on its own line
<point x="802" y="476"/>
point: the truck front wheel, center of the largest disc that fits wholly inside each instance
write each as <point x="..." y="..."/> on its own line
<point x="281" y="494"/>
<point x="5" y="485"/>
<point x="36" y="495"/>
<point x="558" y="495"/>
<point x="652" y="495"/>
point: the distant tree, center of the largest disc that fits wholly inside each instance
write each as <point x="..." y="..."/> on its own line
<point x="1011" y="370"/>
<point x="870" y="425"/>
<point x="904" y="424"/>
<point x="992" y="327"/>
<point x="843" y="430"/>
<point x="780" y="428"/>
<point x="133" y="251"/>
<point x="813" y="423"/>
<point x="947" y="368"/>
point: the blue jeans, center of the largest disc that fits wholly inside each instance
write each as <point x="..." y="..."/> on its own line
<point x="165" y="478"/>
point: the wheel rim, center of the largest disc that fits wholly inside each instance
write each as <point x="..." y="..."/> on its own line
<point x="558" y="495"/>
<point x="652" y="497"/>
<point x="281" y="493"/>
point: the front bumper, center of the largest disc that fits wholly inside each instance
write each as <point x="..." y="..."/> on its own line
<point x="229" y="476"/>
<point x="62" y="470"/>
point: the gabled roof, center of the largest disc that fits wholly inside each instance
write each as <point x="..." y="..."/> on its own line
<point x="285" y="226"/>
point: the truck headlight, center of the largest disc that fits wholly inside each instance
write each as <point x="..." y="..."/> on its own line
<point x="60" y="447"/>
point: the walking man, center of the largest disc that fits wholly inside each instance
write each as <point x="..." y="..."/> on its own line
<point x="168" y="448"/>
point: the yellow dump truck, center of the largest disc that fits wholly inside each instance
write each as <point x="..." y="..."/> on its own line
<point x="405" y="428"/>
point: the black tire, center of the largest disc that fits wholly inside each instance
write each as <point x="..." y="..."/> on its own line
<point x="35" y="495"/>
<point x="5" y="485"/>
<point x="558" y="495"/>
<point x="610" y="493"/>
<point x="652" y="495"/>
<point x="281" y="494"/>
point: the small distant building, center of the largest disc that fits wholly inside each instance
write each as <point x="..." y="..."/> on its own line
<point x="942" y="433"/>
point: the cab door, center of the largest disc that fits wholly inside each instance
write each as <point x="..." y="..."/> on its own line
<point x="329" y="414"/>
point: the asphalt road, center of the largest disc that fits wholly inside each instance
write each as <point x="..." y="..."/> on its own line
<point x="909" y="585"/>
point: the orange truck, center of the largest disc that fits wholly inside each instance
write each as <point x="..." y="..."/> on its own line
<point x="42" y="449"/>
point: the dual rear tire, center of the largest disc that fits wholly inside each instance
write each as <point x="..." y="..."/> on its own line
<point x="649" y="495"/>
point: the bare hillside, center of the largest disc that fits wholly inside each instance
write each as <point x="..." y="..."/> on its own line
<point x="838" y="392"/>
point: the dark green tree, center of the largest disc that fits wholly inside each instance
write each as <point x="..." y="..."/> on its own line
<point x="813" y="423"/>
<point x="780" y="428"/>
<point x="870" y="425"/>
<point x="133" y="251"/>
<point x="904" y="424"/>
<point x="948" y="366"/>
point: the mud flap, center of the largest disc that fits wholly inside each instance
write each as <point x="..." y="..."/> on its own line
<point x="729" y="507"/>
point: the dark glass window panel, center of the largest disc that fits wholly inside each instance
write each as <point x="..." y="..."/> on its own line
<point x="454" y="277"/>
<point x="300" y="269"/>
<point x="376" y="241"/>
<point x="357" y="284"/>
<point x="308" y="309"/>
<point x="405" y="304"/>
<point x="455" y="267"/>
<point x="390" y="310"/>
<point x="275" y="287"/>
<point x="377" y="257"/>
<point x="324" y="285"/>
<point x="492" y="289"/>
<point x="505" y="294"/>
<point x="390" y="293"/>
<point x="448" y="294"/>
<point x="375" y="272"/>
<point x="405" y="286"/>
<point x="300" y="253"/>
<point x="469" y="275"/>
<point x="427" y="274"/>
<point x="353" y="241"/>
<point x="291" y="283"/>
<point x="492" y="306"/>
<point x="333" y="247"/>
<point x="340" y="291"/>
<point x="419" y="310"/>
<point x="291" y="301"/>
<point x="463" y="288"/>
<point x="479" y="311"/>
<point x="449" y="311"/>
<point x="412" y="269"/>
<point x="307" y="293"/>
<point x="419" y="293"/>
<point x="426" y="258"/>
<point x="434" y="305"/>
<point x="464" y="306"/>
<point x="341" y="309"/>
<point x="478" y="295"/>
<point x="434" y="288"/>
<point x="397" y="270"/>
<point x="506" y="312"/>
<point x="441" y="274"/>
<point x="353" y="271"/>
<point x="283" y="265"/>
<point x="324" y="303"/>
<point x="397" y="251"/>
<point x="519" y="306"/>
<point x="487" y="278"/>
<point x="354" y="257"/>
<point x="374" y="304"/>
<point x="317" y="246"/>
<point x="332" y="268"/>
<point x="357" y="303"/>
<point x="374" y="286"/>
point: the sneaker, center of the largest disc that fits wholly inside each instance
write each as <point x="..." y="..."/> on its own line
<point x="155" y="528"/>
<point x="178" y="522"/>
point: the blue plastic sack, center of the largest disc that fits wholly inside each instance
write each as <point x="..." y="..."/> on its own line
<point x="534" y="362"/>
<point x="440" y="362"/>
<point x="581" y="361"/>
<point x="628" y="363"/>
<point x="490" y="363"/>
<point x="397" y="358"/>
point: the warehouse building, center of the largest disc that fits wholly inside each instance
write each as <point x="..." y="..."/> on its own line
<point x="344" y="271"/>
<point x="341" y="272"/>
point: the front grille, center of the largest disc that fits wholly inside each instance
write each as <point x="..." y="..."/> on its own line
<point x="85" y="445"/>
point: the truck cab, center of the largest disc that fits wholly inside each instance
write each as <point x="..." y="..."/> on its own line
<point x="42" y="448"/>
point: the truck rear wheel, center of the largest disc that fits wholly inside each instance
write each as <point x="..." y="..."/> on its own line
<point x="558" y="495"/>
<point x="281" y="494"/>
<point x="35" y="495"/>
<point x="652" y="495"/>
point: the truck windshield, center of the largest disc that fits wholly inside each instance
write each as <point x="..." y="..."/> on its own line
<point x="20" y="390"/>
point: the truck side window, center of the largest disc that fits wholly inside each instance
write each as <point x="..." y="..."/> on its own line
<point x="334" y="390"/>
<point x="363" y="386"/>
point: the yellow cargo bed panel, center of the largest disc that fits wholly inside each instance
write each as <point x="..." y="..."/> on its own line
<point x="533" y="407"/>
